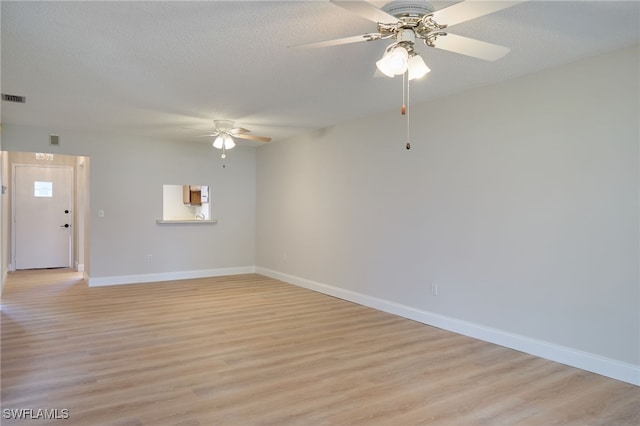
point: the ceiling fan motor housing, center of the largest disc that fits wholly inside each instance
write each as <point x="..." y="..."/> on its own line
<point x="223" y="125"/>
<point x="412" y="15"/>
<point x="408" y="9"/>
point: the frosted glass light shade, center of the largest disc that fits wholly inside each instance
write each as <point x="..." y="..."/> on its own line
<point x="417" y="67"/>
<point x="228" y="142"/>
<point x="217" y="142"/>
<point x="394" y="62"/>
<point x="223" y="140"/>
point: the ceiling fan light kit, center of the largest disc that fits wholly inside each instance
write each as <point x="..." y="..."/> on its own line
<point x="400" y="57"/>
<point x="223" y="141"/>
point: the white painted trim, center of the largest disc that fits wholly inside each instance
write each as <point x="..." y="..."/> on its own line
<point x="80" y="267"/>
<point x="168" y="276"/>
<point x="4" y="281"/>
<point x="608" y="367"/>
<point x="186" y="221"/>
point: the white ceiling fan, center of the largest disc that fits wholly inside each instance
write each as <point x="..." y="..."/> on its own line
<point x="406" y="21"/>
<point x="224" y="134"/>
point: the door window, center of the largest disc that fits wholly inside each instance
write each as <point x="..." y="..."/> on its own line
<point x="43" y="189"/>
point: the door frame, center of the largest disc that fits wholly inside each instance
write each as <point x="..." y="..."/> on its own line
<point x="14" y="166"/>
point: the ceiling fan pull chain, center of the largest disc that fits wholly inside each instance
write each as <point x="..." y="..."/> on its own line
<point x="403" y="110"/>
<point x="408" y="146"/>
<point x="224" y="156"/>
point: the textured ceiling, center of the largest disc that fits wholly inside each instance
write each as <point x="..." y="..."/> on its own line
<point x="154" y="68"/>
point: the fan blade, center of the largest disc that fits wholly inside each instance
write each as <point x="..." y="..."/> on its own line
<point x="252" y="137"/>
<point x="470" y="47"/>
<point x="339" y="41"/>
<point x="236" y="130"/>
<point x="367" y="11"/>
<point x="208" y="135"/>
<point x="468" y="10"/>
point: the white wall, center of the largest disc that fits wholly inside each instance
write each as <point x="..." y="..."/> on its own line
<point x="126" y="179"/>
<point x="520" y="200"/>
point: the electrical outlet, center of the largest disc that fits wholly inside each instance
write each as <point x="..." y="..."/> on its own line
<point x="434" y="289"/>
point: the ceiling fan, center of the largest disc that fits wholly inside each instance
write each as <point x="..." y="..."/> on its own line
<point x="406" y="21"/>
<point x="224" y="134"/>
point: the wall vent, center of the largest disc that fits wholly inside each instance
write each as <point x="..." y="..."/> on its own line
<point x="14" y="98"/>
<point x="54" y="140"/>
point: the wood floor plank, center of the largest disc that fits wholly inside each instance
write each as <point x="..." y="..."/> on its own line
<point x="250" y="350"/>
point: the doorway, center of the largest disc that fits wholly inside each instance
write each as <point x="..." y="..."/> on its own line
<point x="42" y="216"/>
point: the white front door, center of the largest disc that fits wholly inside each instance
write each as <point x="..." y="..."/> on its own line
<point x="42" y="216"/>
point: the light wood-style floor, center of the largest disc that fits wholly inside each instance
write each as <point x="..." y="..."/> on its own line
<point x="250" y="350"/>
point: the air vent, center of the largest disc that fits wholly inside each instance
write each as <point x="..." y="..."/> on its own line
<point x="14" y="98"/>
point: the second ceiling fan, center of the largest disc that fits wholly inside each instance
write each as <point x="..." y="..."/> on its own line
<point x="224" y="133"/>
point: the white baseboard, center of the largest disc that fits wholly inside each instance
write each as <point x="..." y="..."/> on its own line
<point x="80" y="267"/>
<point x="608" y="367"/>
<point x="168" y="276"/>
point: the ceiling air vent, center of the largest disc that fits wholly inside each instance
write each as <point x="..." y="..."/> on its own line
<point x="14" y="98"/>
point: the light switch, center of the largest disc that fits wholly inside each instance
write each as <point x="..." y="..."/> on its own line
<point x="100" y="213"/>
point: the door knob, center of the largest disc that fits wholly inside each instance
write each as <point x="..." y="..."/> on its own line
<point x="66" y="225"/>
